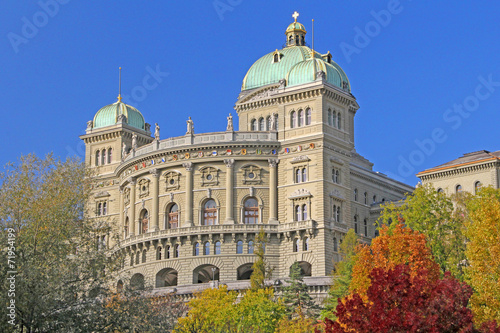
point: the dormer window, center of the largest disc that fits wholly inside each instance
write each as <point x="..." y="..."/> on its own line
<point x="329" y="57"/>
<point x="277" y="56"/>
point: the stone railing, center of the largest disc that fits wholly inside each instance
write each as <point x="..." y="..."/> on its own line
<point x="215" y="138"/>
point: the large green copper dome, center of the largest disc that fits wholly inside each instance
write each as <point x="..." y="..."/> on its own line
<point x="108" y="115"/>
<point x="295" y="64"/>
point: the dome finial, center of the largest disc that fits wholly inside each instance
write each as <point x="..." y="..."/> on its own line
<point x="120" y="85"/>
<point x="295" y="15"/>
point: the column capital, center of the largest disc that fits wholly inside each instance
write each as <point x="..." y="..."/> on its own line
<point x="188" y="166"/>
<point x="229" y="162"/>
<point x="273" y="162"/>
<point x="155" y="172"/>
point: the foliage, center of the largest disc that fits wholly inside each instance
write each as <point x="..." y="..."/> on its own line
<point x="400" y="302"/>
<point x="401" y="245"/>
<point x="483" y="253"/>
<point x="298" y="324"/>
<point x="216" y="310"/>
<point x="261" y="269"/>
<point x="440" y="218"/>
<point x="59" y="270"/>
<point x="296" y="297"/>
<point x="343" y="274"/>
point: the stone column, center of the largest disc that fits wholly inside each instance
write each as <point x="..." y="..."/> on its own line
<point x="189" y="193"/>
<point x="121" y="223"/>
<point x="229" y="191"/>
<point x="156" y="184"/>
<point x="133" y="222"/>
<point x="273" y="190"/>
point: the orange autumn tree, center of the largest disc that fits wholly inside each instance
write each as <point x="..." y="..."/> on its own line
<point x="400" y="245"/>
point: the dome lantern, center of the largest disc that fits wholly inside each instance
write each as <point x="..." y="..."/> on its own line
<point x="295" y="33"/>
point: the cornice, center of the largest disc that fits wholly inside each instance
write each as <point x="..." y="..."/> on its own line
<point x="457" y="171"/>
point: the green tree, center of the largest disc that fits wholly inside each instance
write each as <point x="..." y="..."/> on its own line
<point x="440" y="218"/>
<point x="296" y="297"/>
<point x="483" y="253"/>
<point x="261" y="269"/>
<point x="259" y="311"/>
<point x="342" y="274"/>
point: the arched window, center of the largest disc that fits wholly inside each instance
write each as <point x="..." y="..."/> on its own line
<point x="110" y="154"/>
<point x="276" y="57"/>
<point x="290" y="39"/>
<point x="97" y="157"/>
<point x="355" y="224"/>
<point x="355" y="194"/>
<point x="132" y="259"/>
<point x="366" y="198"/>
<point x="144" y="221"/>
<point x="210" y="213"/>
<point x="440" y="190"/>
<point x="296" y="245"/>
<point x="268" y="123"/>
<point x="137" y="257"/>
<point x="335" y="244"/>
<point x="339" y="121"/>
<point x="334" y="118"/>
<point x="251" y="211"/>
<point x="338" y="213"/>
<point x="306" y="244"/>
<point x="217" y="247"/>
<point x="304" y="175"/>
<point x="239" y="247"/>
<point x="206" y="248"/>
<point x="383" y="199"/>
<point x="458" y="188"/>
<point x="253" y="125"/>
<point x="196" y="249"/>
<point x="330" y="117"/>
<point x="250" y="247"/>
<point x="176" y="251"/>
<point x="293" y="119"/>
<point x="365" y="224"/>
<point x="337" y="176"/>
<point x="104" y="208"/>
<point x="158" y="253"/>
<point x="99" y="209"/>
<point x="167" y="252"/>
<point x="103" y="157"/>
<point x="304" y="212"/>
<point x="477" y="186"/>
<point x="298" y="213"/>
<point x="172" y="217"/>
<point x="374" y="198"/>
<point x="276" y="121"/>
<point x="308" y="117"/>
<point x="262" y="124"/>
<point x="335" y="212"/>
<point x="143" y="256"/>
<point x="301" y="118"/>
<point x="298" y="175"/>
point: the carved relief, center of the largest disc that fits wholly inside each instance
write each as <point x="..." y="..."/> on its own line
<point x="251" y="174"/>
<point x="172" y="180"/>
<point x="300" y="193"/>
<point x="126" y="195"/>
<point x="143" y="187"/>
<point x="209" y="176"/>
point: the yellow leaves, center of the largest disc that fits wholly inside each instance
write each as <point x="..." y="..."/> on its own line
<point x="483" y="254"/>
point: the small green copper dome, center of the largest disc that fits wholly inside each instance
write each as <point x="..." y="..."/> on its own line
<point x="109" y="114"/>
<point x="295" y="26"/>
<point x="307" y="71"/>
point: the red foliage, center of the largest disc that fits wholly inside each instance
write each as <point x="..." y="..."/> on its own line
<point x="399" y="303"/>
<point x="490" y="327"/>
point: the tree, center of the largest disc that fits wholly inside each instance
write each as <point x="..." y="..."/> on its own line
<point x="440" y="218"/>
<point x="342" y="274"/>
<point x="483" y="253"/>
<point x="260" y="268"/>
<point x="295" y="296"/>
<point x="216" y="310"/>
<point x="52" y="243"/>
<point x="393" y="247"/>
<point x="212" y="310"/>
<point x="400" y="302"/>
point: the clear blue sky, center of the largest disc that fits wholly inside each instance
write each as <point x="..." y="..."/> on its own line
<point x="407" y="74"/>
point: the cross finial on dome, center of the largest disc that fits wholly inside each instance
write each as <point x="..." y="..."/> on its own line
<point x="120" y="85"/>
<point x="295" y="15"/>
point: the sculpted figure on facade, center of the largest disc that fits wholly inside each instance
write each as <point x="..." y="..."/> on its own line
<point x="230" y="123"/>
<point x="124" y="150"/>
<point x="190" y="126"/>
<point x="157" y="132"/>
<point x="134" y="141"/>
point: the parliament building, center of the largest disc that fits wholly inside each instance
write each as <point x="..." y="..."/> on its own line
<point x="187" y="210"/>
